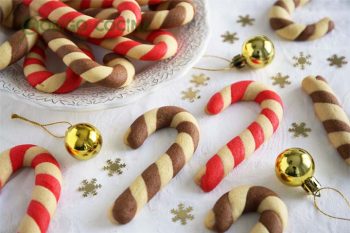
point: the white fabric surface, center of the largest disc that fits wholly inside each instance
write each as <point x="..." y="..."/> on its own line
<point x="83" y="215"/>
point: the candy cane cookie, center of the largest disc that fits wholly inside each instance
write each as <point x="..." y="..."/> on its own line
<point x="330" y="113"/>
<point x="47" y="189"/>
<point x="160" y="173"/>
<point x="17" y="46"/>
<point x="243" y="145"/>
<point x="86" y="26"/>
<point x="164" y="43"/>
<point x="246" y="199"/>
<point x="81" y="64"/>
<point x="285" y="27"/>
<point x="42" y="79"/>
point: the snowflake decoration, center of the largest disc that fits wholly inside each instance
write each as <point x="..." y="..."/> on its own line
<point x="114" y="167"/>
<point x="200" y="80"/>
<point x="191" y="95"/>
<point x="299" y="130"/>
<point x="280" y="80"/>
<point x="337" y="61"/>
<point x="245" y="20"/>
<point x="89" y="187"/>
<point x="182" y="214"/>
<point x="302" y="61"/>
<point x="229" y="37"/>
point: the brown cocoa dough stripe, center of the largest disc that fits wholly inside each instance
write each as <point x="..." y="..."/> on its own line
<point x="17" y="46"/>
<point x="285" y="27"/>
<point x="160" y="173"/>
<point x="246" y="199"/>
<point x="120" y="75"/>
<point x="330" y="113"/>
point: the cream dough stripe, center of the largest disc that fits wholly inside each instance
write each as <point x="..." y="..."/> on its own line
<point x="48" y="181"/>
<point x="162" y="41"/>
<point x="82" y="65"/>
<point x="160" y="173"/>
<point x="242" y="146"/>
<point x="59" y="12"/>
<point x="330" y="113"/>
<point x="285" y="27"/>
<point x="246" y="199"/>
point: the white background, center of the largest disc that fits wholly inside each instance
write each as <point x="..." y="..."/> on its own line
<point x="78" y="214"/>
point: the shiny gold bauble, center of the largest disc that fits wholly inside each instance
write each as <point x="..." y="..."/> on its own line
<point x="83" y="141"/>
<point x="258" y="51"/>
<point x="294" y="166"/>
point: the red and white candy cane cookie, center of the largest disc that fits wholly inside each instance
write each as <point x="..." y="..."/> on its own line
<point x="86" y="26"/>
<point x="160" y="173"/>
<point x="47" y="189"/>
<point x="243" y="145"/>
<point x="44" y="80"/>
<point x="164" y="43"/>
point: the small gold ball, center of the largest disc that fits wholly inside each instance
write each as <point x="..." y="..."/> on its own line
<point x="258" y="51"/>
<point x="83" y="141"/>
<point x="293" y="166"/>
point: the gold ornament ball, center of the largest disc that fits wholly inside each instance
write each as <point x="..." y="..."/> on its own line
<point x="294" y="166"/>
<point x="258" y="51"/>
<point x="83" y="141"/>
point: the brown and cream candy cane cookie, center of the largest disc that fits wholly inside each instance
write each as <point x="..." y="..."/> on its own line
<point x="246" y="199"/>
<point x="160" y="173"/>
<point x="285" y="27"/>
<point x="330" y="113"/>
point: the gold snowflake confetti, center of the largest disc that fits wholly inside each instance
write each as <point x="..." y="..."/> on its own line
<point x="114" y="167"/>
<point x="245" y="20"/>
<point x="190" y="95"/>
<point x="299" y="129"/>
<point x="89" y="187"/>
<point x="302" y="61"/>
<point x="280" y="80"/>
<point x="200" y="80"/>
<point x="182" y="214"/>
<point x="229" y="37"/>
<point x="337" y="61"/>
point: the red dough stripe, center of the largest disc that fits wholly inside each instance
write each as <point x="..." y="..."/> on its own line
<point x="236" y="147"/>
<point x="38" y="77"/>
<point x="32" y="61"/>
<point x="131" y="7"/>
<point x="238" y="89"/>
<point x="215" y="104"/>
<point x="214" y="173"/>
<point x="46" y="9"/>
<point x="43" y="158"/>
<point x="40" y="215"/>
<point x="17" y="156"/>
<point x="264" y="95"/>
<point x="258" y="134"/>
<point x="124" y="47"/>
<point x="271" y="115"/>
<point x="65" y="19"/>
<point x="49" y="182"/>
<point x="156" y="53"/>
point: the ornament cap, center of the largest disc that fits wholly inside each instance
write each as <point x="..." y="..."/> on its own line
<point x="312" y="186"/>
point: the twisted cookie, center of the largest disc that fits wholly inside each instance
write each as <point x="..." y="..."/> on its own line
<point x="245" y="199"/>
<point x="329" y="111"/>
<point x="160" y="173"/>
<point x="47" y="189"/>
<point x="86" y="26"/>
<point x="243" y="145"/>
<point x="281" y="22"/>
<point x="39" y="77"/>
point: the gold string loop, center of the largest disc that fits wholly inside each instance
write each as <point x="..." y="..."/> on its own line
<point x="43" y="126"/>
<point x="230" y="67"/>
<point x="317" y="194"/>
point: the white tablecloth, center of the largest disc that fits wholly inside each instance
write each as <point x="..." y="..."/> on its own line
<point x="76" y="213"/>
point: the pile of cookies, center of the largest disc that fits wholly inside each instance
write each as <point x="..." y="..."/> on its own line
<point x="123" y="26"/>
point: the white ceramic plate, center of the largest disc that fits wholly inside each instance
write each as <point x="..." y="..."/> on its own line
<point x="192" y="39"/>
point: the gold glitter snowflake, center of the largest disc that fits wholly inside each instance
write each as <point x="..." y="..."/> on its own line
<point x="114" y="167"/>
<point x="280" y="80"/>
<point x="302" y="61"/>
<point x="89" y="187"/>
<point x="245" y="20"/>
<point x="182" y="214"/>
<point x="229" y="37"/>
<point x="299" y="129"/>
<point x="200" y="80"/>
<point x="190" y="95"/>
<point x="337" y="61"/>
